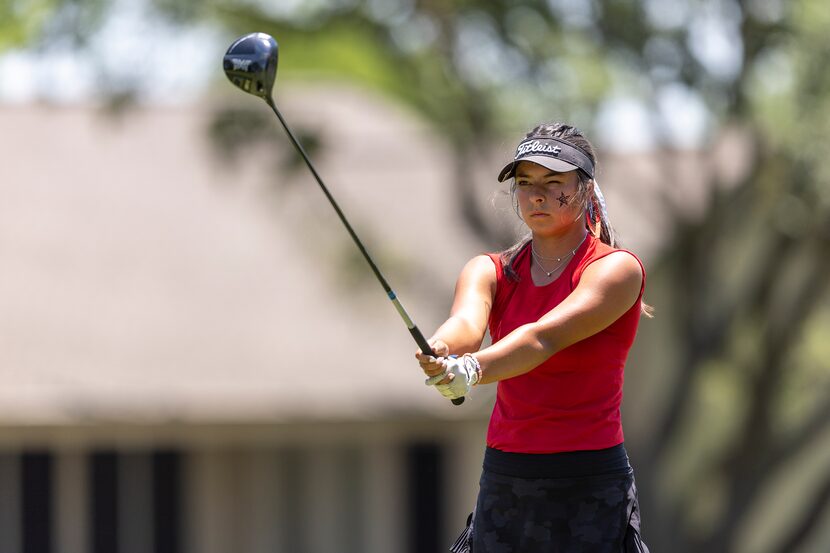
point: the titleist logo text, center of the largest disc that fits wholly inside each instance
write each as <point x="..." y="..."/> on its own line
<point x="536" y="146"/>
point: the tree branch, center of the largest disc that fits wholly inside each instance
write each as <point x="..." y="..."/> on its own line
<point x="706" y="337"/>
<point x="798" y="440"/>
<point x="801" y="531"/>
<point x="745" y="468"/>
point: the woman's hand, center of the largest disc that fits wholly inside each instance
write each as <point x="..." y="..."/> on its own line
<point x="432" y="366"/>
<point x="462" y="374"/>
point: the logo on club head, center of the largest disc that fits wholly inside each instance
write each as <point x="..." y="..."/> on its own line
<point x="240" y="64"/>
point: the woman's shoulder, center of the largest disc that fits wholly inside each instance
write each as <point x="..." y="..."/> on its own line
<point x="603" y="257"/>
<point x="597" y="249"/>
<point x="479" y="276"/>
<point x="618" y="267"/>
<point x="486" y="265"/>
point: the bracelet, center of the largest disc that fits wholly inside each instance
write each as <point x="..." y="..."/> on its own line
<point x="475" y="365"/>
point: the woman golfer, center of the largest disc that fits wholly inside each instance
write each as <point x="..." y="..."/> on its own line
<point x="562" y="307"/>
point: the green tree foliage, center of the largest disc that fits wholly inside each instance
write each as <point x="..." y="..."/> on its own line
<point x="20" y="21"/>
<point x="35" y="22"/>
<point x="750" y="288"/>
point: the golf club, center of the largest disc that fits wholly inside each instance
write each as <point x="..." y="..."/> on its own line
<point x="251" y="64"/>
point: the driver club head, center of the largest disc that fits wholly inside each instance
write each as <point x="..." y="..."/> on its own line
<point x="251" y="64"/>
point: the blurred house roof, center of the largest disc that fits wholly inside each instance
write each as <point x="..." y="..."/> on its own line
<point x="144" y="278"/>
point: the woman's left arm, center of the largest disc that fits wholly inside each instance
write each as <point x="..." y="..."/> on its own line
<point x="607" y="288"/>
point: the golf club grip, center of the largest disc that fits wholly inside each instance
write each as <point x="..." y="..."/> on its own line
<point x="425" y="348"/>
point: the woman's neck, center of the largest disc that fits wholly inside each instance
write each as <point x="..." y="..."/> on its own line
<point x="558" y="246"/>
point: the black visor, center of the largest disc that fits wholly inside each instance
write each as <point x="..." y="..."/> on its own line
<point x="557" y="155"/>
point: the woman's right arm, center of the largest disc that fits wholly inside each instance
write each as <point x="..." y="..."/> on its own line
<point x="466" y="326"/>
<point x="475" y="289"/>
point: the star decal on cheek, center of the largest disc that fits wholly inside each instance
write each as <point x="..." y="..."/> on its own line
<point x="563" y="199"/>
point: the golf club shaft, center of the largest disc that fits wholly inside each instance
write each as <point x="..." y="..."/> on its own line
<point x="413" y="329"/>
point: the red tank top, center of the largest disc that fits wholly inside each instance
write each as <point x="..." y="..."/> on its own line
<point x="571" y="401"/>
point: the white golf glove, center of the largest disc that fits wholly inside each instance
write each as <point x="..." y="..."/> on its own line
<point x="465" y="371"/>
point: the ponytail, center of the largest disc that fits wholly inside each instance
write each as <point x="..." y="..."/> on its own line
<point x="596" y="215"/>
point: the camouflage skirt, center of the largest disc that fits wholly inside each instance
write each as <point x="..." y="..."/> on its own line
<point x="585" y="514"/>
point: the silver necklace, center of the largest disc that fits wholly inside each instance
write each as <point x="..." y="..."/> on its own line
<point x="559" y="260"/>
